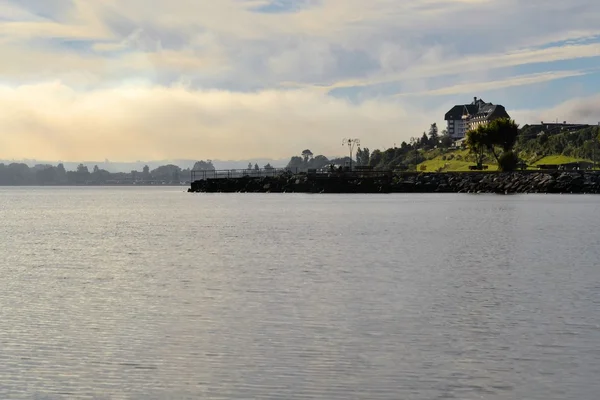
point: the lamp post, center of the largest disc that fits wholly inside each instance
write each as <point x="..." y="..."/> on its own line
<point x="351" y="143"/>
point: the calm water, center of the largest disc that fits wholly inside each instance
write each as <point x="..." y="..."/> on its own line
<point x="155" y="293"/>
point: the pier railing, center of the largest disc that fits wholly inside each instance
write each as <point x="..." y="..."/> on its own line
<point x="272" y="172"/>
<point x="239" y="173"/>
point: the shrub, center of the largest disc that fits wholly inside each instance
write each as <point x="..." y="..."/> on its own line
<point x="508" y="161"/>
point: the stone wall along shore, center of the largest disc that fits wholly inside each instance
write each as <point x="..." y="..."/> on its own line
<point x="580" y="182"/>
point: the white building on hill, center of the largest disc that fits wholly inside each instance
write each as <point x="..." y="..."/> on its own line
<point x="462" y="118"/>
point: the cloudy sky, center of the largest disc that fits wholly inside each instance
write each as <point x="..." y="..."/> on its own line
<point x="237" y="79"/>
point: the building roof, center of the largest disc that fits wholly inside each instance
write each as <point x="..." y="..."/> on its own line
<point x="459" y="110"/>
<point x="477" y="109"/>
<point x="489" y="111"/>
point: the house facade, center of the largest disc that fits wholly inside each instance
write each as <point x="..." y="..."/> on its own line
<point x="462" y="118"/>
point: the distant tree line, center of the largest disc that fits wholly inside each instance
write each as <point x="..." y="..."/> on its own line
<point x="44" y="174"/>
<point x="307" y="160"/>
<point x="404" y="157"/>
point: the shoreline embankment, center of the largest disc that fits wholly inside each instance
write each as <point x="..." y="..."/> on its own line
<point x="576" y="182"/>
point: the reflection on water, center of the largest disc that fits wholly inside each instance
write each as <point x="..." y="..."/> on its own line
<point x="153" y="293"/>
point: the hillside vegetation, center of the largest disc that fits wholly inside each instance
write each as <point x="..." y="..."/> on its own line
<point x="433" y="152"/>
<point x="534" y="147"/>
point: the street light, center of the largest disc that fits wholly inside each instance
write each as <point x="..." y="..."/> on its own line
<point x="351" y="143"/>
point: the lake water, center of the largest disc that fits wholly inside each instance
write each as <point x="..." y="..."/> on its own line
<point x="152" y="293"/>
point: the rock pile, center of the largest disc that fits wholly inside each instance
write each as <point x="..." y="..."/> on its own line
<point x="480" y="182"/>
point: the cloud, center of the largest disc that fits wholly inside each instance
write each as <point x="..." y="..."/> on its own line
<point x="478" y="87"/>
<point x="579" y="110"/>
<point x="475" y="63"/>
<point x="53" y="121"/>
<point x="268" y="76"/>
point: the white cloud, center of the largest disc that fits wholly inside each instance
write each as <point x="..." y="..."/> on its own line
<point x="52" y="121"/>
<point x="478" y="87"/>
<point x="238" y="66"/>
<point x="578" y="110"/>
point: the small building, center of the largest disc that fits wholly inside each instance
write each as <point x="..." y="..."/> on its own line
<point x="552" y="128"/>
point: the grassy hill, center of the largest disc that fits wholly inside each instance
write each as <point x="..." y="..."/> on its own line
<point x="460" y="160"/>
<point x="559" y="159"/>
<point x="534" y="146"/>
<point x="451" y="161"/>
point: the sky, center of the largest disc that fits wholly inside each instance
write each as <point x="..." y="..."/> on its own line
<point x="133" y="80"/>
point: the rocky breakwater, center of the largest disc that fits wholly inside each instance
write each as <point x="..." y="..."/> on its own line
<point x="579" y="182"/>
<point x="293" y="184"/>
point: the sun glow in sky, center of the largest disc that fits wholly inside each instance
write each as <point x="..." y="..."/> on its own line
<point x="227" y="79"/>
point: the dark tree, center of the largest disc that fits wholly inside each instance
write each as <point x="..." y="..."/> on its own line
<point x="82" y="169"/>
<point x="434" y="137"/>
<point x="204" y="166"/>
<point x="362" y="156"/>
<point x="296" y="163"/>
<point x="166" y="173"/>
<point x="498" y="138"/>
<point x="445" y="140"/>
<point x="307" y="155"/>
<point x="146" y="173"/>
<point x="424" y="142"/>
<point x="376" y="158"/>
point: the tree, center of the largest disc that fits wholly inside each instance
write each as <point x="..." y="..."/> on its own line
<point x="204" y="166"/>
<point x="96" y="169"/>
<point x="445" y="140"/>
<point x="45" y="174"/>
<point x="61" y="174"/>
<point x="362" y="156"/>
<point x="498" y="138"/>
<point x="296" y="163"/>
<point x="256" y="167"/>
<point x="167" y="173"/>
<point x="318" y="162"/>
<point x="268" y="167"/>
<point x="424" y="140"/>
<point x="306" y="155"/>
<point x="146" y="172"/>
<point x="82" y="169"/>
<point x="375" y="158"/>
<point x="476" y="145"/>
<point x="249" y="165"/>
<point x="434" y="137"/>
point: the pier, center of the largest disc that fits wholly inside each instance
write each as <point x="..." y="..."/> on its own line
<point x="400" y="182"/>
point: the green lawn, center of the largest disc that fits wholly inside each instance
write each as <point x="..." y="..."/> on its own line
<point x="452" y="165"/>
<point x="558" y="159"/>
<point x="436" y="163"/>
